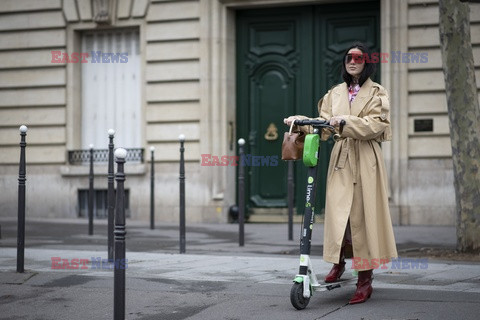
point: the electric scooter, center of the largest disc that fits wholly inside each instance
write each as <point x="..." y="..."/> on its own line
<point x="306" y="282"/>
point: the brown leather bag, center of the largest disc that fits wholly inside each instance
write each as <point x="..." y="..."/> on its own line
<point x="292" y="145"/>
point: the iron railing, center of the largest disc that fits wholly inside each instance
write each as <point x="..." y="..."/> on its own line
<point x="101" y="155"/>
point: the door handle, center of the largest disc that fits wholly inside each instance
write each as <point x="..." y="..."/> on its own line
<point x="272" y="132"/>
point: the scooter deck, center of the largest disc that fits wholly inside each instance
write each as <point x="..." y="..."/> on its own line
<point x="332" y="285"/>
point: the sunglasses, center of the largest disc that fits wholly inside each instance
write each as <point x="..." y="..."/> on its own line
<point x="357" y="58"/>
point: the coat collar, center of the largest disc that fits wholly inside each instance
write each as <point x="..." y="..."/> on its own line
<point x="360" y="100"/>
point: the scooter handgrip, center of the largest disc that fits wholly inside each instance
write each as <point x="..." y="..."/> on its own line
<point x="311" y="122"/>
<point x="301" y="122"/>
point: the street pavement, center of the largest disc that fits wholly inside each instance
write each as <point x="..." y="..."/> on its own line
<point x="218" y="279"/>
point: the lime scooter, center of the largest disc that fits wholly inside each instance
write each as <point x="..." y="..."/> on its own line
<point x="305" y="282"/>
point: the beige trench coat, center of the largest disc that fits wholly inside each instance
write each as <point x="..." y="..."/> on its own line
<point x="357" y="187"/>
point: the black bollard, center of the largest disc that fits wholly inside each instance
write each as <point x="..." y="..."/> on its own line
<point x="152" y="188"/>
<point x="241" y="195"/>
<point x="182" y="194"/>
<point x="110" y="194"/>
<point x="291" y="188"/>
<point x="90" y="194"/>
<point x="21" y="202"/>
<point x="120" y="232"/>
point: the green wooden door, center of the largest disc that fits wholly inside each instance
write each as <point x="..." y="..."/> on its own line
<point x="274" y="80"/>
<point x="286" y="60"/>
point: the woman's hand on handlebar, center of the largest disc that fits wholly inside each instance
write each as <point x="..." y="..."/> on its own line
<point x="288" y="121"/>
<point x="337" y="121"/>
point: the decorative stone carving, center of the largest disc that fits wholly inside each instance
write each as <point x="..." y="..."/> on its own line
<point x="102" y="11"/>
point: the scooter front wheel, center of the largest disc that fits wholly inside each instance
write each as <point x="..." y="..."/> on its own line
<point x="296" y="296"/>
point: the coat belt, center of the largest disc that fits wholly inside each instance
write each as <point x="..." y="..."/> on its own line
<point x="348" y="152"/>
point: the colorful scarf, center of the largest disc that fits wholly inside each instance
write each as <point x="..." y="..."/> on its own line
<point x="352" y="92"/>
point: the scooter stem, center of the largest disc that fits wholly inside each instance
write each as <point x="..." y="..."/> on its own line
<point x="306" y="236"/>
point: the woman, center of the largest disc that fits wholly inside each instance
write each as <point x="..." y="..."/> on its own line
<point x="357" y="215"/>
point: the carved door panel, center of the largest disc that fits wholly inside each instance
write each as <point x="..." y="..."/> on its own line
<point x="274" y="80"/>
<point x="337" y="28"/>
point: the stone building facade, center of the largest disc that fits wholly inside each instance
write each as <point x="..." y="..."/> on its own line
<point x="184" y="75"/>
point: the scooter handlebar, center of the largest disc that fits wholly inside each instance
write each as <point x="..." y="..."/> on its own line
<point x="317" y="123"/>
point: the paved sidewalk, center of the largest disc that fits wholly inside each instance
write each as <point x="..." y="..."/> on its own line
<point x="217" y="279"/>
<point x="260" y="238"/>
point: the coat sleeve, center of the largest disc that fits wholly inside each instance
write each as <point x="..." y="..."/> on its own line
<point x="374" y="123"/>
<point x="324" y="109"/>
<point x="306" y="129"/>
<point x="325" y="112"/>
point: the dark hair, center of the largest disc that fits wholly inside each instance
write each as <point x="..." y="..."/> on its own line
<point x="368" y="70"/>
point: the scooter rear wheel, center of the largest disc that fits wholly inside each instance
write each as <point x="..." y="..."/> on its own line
<point x="296" y="297"/>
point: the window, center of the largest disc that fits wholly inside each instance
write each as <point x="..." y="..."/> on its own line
<point x="111" y="88"/>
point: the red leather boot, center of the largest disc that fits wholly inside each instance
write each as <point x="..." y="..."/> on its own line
<point x="364" y="287"/>
<point x="337" y="269"/>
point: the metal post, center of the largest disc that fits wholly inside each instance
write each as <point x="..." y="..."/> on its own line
<point x="120" y="232"/>
<point x="110" y="194"/>
<point x="90" y="194"/>
<point x="290" y="191"/>
<point x="241" y="195"/>
<point x="152" y="188"/>
<point x="21" y="202"/>
<point x="182" y="194"/>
